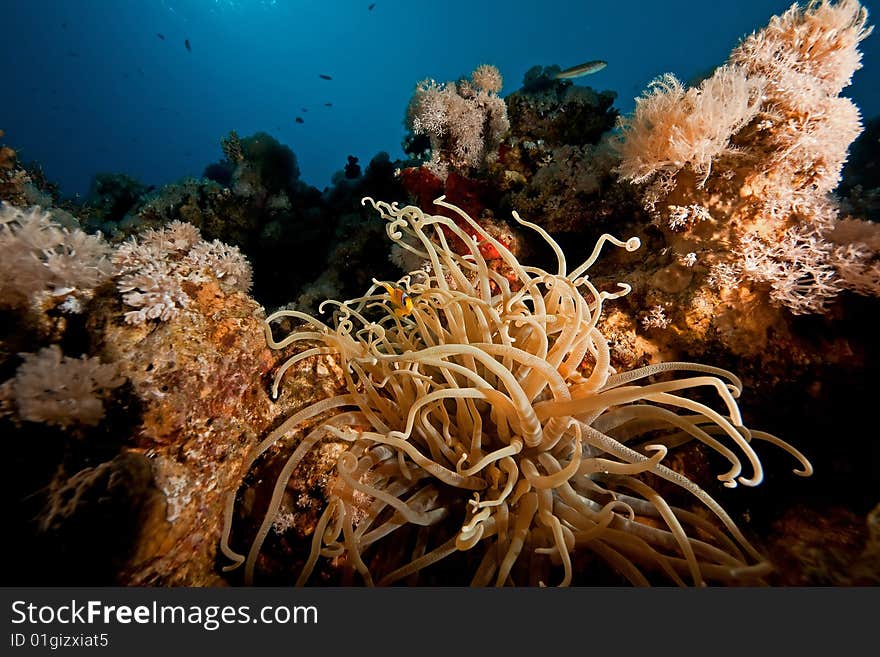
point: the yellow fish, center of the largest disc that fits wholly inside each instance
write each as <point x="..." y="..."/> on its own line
<point x="401" y="302"/>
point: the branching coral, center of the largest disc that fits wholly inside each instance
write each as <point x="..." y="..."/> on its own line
<point x="492" y="409"/>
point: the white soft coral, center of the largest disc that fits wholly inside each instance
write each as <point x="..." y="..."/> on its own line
<point x="58" y="390"/>
<point x="152" y="270"/>
<point x="38" y="258"/>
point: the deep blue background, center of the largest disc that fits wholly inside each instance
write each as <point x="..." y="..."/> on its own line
<point x="87" y="86"/>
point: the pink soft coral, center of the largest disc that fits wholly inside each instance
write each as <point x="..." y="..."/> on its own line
<point x="464" y="120"/>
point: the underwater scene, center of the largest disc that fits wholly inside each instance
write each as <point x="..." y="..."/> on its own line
<point x="414" y="294"/>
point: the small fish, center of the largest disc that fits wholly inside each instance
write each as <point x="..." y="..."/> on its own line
<point x="370" y="8"/>
<point x="304" y="109"/>
<point x="401" y="302"/>
<point x="328" y="104"/>
<point x="72" y="53"/>
<point x="186" y="43"/>
<point x="63" y="26"/>
<point x="324" y="77"/>
<point x="299" y="119"/>
<point x="581" y="69"/>
<point x="160" y="35"/>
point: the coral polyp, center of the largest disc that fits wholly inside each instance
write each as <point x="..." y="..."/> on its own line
<point x="490" y="419"/>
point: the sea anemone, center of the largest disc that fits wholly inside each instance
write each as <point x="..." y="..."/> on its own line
<point x="491" y="419"/>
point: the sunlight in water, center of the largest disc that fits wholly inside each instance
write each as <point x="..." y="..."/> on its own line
<point x="243" y="4"/>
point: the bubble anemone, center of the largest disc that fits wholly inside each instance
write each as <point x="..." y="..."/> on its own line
<point x="490" y="419"/>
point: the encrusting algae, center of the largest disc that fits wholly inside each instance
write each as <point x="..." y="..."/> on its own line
<point x="490" y="420"/>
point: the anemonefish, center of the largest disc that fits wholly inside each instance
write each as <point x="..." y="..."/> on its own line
<point x="401" y="302"/>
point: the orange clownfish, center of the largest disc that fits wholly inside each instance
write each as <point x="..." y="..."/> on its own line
<point x="401" y="302"/>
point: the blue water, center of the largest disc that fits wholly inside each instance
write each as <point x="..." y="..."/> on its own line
<point x="88" y="86"/>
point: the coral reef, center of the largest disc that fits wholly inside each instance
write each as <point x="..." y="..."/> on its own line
<point x="196" y="380"/>
<point x="860" y="188"/>
<point x="557" y="112"/>
<point x="253" y="200"/>
<point x="23" y="184"/>
<point x="52" y="388"/>
<point x="554" y="163"/>
<point x="111" y="197"/>
<point x="750" y="261"/>
<point x="475" y="413"/>
<point x="573" y="189"/>
<point x="836" y="548"/>
<point x="169" y="399"/>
